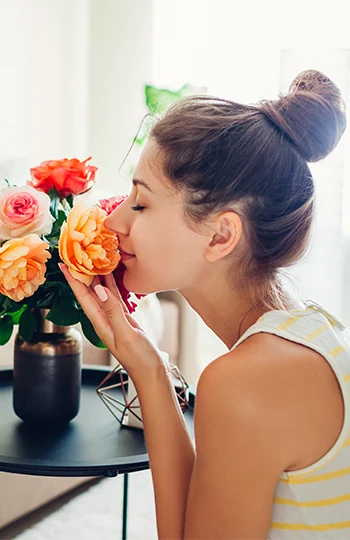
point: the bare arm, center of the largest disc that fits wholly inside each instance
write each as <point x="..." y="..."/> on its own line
<point x="239" y="456"/>
<point x="171" y="455"/>
<point x="226" y="490"/>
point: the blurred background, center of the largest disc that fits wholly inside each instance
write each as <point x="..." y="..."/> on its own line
<point x="73" y="76"/>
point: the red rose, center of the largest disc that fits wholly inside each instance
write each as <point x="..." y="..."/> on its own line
<point x="67" y="176"/>
<point x="118" y="274"/>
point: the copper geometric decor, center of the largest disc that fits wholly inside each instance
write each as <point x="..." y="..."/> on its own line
<point x="118" y="393"/>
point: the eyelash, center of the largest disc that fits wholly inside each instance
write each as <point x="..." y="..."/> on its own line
<point x="138" y="208"/>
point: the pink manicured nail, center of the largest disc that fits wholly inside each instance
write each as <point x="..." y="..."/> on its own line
<point x="101" y="293"/>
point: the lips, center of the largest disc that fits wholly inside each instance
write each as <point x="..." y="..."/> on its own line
<point x="122" y="252"/>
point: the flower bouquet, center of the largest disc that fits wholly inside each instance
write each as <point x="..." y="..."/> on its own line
<point x="42" y="224"/>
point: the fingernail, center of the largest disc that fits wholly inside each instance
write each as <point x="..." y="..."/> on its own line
<point x="101" y="293"/>
<point x="60" y="266"/>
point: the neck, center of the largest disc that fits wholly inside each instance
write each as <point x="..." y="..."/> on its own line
<point x="229" y="313"/>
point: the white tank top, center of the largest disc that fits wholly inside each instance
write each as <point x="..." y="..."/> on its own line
<point x="314" y="502"/>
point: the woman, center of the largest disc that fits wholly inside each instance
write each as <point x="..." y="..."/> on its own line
<point x="222" y="200"/>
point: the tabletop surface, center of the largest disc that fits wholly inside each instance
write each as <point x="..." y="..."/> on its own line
<point x="92" y="444"/>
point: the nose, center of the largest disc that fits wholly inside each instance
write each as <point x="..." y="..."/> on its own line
<point x="117" y="221"/>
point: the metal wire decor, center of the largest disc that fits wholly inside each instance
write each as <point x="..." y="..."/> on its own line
<point x="121" y="407"/>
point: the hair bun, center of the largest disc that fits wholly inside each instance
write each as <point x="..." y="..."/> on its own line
<point x="312" y="114"/>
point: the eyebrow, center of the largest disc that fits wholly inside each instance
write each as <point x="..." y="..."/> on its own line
<point x="136" y="182"/>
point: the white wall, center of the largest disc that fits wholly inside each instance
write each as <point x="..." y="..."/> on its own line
<point x="120" y="65"/>
<point x="43" y="71"/>
<point x="72" y="76"/>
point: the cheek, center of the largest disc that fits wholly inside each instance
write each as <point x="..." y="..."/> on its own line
<point x="166" y="259"/>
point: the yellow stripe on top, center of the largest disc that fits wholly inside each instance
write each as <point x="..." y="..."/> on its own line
<point x="317" y="478"/>
<point x="288" y="323"/>
<point x="303" y="527"/>
<point x="312" y="504"/>
<point x="316" y="332"/>
<point x="337" y="350"/>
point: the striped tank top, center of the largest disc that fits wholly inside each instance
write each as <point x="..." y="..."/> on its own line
<point x="314" y="503"/>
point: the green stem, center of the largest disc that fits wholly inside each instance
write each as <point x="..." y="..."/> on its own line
<point x="65" y="205"/>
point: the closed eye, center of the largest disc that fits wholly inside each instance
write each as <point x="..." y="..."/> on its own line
<point x="138" y="208"/>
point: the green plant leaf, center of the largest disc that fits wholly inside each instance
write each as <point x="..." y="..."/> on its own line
<point x="27" y="325"/>
<point x="16" y="315"/>
<point x="45" y="302"/>
<point x="70" y="200"/>
<point x="64" y="311"/>
<point x="89" y="332"/>
<point x="159" y="99"/>
<point x="5" y="302"/>
<point x="56" y="227"/>
<point x="55" y="201"/>
<point x="6" y="328"/>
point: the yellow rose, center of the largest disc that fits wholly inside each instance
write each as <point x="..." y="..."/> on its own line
<point x="23" y="266"/>
<point x="86" y="246"/>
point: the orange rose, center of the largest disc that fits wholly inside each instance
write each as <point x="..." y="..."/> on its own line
<point x="67" y="176"/>
<point x="86" y="246"/>
<point x="23" y="266"/>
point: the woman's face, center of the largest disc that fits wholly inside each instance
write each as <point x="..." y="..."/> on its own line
<point x="165" y="253"/>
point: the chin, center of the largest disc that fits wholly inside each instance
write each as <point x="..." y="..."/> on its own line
<point x="138" y="288"/>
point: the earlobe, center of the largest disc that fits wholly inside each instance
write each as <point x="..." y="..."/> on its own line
<point x="228" y="233"/>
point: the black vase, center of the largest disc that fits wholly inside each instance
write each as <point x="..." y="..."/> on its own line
<point x="47" y="374"/>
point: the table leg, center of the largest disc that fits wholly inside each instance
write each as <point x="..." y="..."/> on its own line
<point x="125" y="506"/>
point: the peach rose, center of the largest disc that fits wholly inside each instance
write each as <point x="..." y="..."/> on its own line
<point x="23" y="266"/>
<point x="24" y="210"/>
<point x="67" y="176"/>
<point x="86" y="246"/>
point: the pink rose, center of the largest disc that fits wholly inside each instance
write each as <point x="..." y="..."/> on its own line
<point x="108" y="205"/>
<point x="24" y="210"/>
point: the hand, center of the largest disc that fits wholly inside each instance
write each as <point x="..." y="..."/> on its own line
<point x="119" y="331"/>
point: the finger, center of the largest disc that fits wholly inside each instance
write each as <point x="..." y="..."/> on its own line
<point x="118" y="319"/>
<point x="109" y="282"/>
<point x="95" y="281"/>
<point x="84" y="295"/>
<point x="112" y="286"/>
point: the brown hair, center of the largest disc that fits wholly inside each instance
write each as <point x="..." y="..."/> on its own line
<point x="253" y="159"/>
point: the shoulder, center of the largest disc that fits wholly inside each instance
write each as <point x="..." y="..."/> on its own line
<point x="274" y="391"/>
<point x="245" y="390"/>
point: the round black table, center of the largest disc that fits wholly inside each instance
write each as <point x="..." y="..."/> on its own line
<point x="92" y="444"/>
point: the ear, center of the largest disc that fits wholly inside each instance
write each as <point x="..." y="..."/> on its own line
<point x="228" y="231"/>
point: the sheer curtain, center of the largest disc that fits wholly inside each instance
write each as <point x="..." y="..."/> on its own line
<point x="250" y="51"/>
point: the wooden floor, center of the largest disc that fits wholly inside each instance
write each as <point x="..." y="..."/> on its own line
<point x="22" y="524"/>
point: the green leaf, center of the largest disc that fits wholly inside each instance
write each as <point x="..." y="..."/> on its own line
<point x="89" y="332"/>
<point x="6" y="328"/>
<point x="55" y="201"/>
<point x="45" y="302"/>
<point x="5" y="302"/>
<point x="159" y="99"/>
<point x="141" y="138"/>
<point x="16" y="315"/>
<point x="64" y="311"/>
<point x="57" y="225"/>
<point x="70" y="200"/>
<point x="27" y="325"/>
